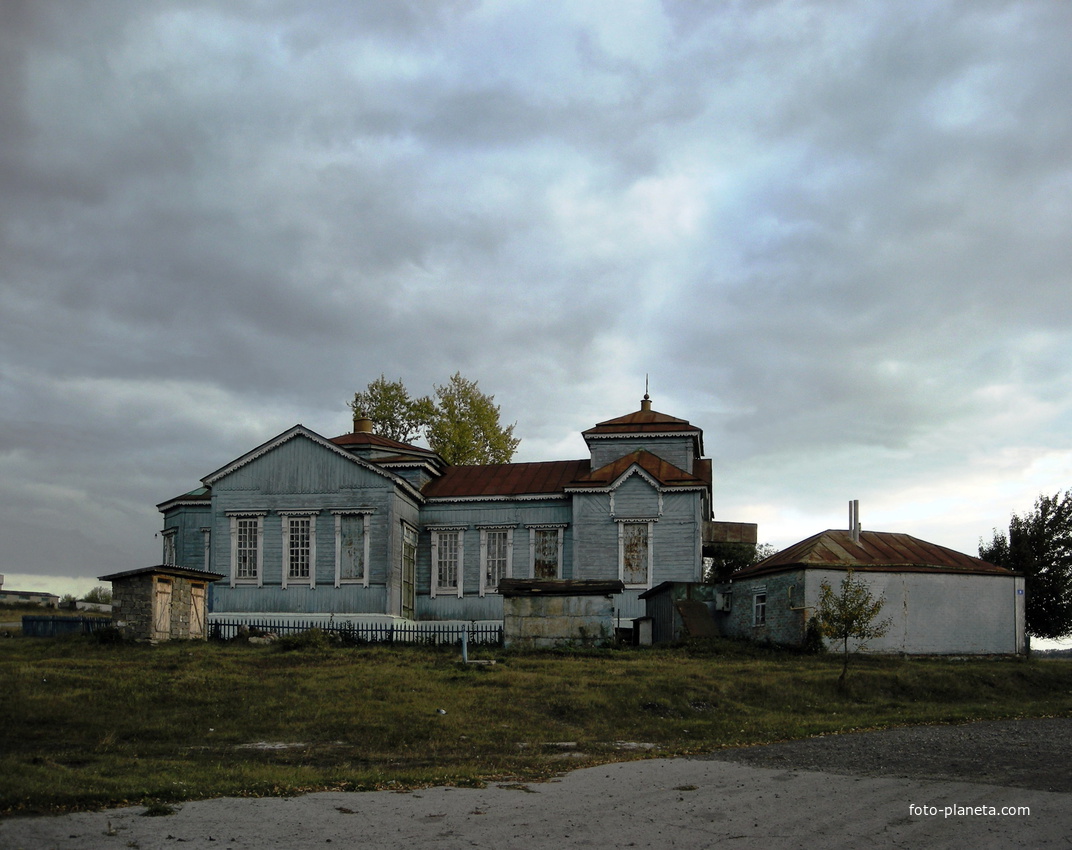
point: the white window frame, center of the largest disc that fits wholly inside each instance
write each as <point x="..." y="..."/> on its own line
<point x="649" y="526"/>
<point x="560" y="528"/>
<point x="508" y="567"/>
<point x="285" y="518"/>
<point x="170" y="555"/>
<point x="206" y="542"/>
<point x="759" y="607"/>
<point x="434" y="587"/>
<point x="258" y="517"/>
<point x="365" y="549"/>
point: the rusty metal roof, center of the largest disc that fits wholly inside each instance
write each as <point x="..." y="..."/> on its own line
<point x="640" y="422"/>
<point x="878" y="551"/>
<point x="364" y="438"/>
<point x="506" y="479"/>
<point x="665" y="473"/>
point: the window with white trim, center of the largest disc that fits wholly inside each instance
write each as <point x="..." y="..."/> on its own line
<point x="634" y="553"/>
<point x="496" y="557"/>
<point x="545" y="551"/>
<point x="246" y="548"/>
<point x="206" y="543"/>
<point x="447" y="560"/>
<point x="759" y="607"/>
<point x="169" y="547"/>
<point x="299" y="547"/>
<point x="351" y="548"/>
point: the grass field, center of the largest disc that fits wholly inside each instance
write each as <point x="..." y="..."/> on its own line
<point x="85" y="724"/>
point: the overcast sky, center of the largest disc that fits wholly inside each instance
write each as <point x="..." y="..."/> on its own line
<point x="836" y="236"/>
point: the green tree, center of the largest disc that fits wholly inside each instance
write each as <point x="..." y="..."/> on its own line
<point x="396" y="414"/>
<point x="721" y="560"/>
<point x="1039" y="545"/>
<point x="464" y="427"/>
<point x="850" y="613"/>
<point x="100" y="594"/>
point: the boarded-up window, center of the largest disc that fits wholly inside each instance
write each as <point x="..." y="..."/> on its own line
<point x="635" y="557"/>
<point x="351" y="547"/>
<point x="299" y="546"/>
<point x="447" y="559"/>
<point x="545" y="553"/>
<point x="497" y="542"/>
<point x="246" y="546"/>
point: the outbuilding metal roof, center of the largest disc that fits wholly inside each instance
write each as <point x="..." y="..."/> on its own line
<point x="877" y="551"/>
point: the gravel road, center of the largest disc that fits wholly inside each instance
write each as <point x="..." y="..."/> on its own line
<point x="981" y="785"/>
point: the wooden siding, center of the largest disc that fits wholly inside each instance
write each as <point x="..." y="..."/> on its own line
<point x="676" y="450"/>
<point x="187" y="521"/>
<point x="348" y="599"/>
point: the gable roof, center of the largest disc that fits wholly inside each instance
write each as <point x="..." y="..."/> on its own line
<point x="664" y="473"/>
<point x="500" y="480"/>
<point x="301" y="431"/>
<point x="877" y="551"/>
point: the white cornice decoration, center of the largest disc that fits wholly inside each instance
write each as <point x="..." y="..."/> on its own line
<point x="245" y="513"/>
<point x="307" y="512"/>
<point x="351" y="511"/>
<point x="526" y="497"/>
<point x="632" y="435"/>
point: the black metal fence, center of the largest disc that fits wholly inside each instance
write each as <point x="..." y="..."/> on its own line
<point x="426" y="633"/>
<point x="56" y="626"/>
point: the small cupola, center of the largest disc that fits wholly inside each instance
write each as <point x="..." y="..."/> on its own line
<point x="362" y="424"/>
<point x="645" y="403"/>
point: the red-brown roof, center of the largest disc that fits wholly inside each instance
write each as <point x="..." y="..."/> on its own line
<point x="665" y="473"/>
<point x="641" y="422"/>
<point x="364" y="438"/>
<point x="506" y="479"/>
<point x="879" y="551"/>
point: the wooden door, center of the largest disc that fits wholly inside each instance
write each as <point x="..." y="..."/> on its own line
<point x="197" y="611"/>
<point x="162" y="609"/>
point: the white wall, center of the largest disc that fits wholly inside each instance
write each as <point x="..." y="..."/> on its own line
<point x="940" y="613"/>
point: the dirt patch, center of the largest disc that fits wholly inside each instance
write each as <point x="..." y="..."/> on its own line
<point x="1034" y="754"/>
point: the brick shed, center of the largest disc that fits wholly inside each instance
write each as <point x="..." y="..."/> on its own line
<point x="161" y="603"/>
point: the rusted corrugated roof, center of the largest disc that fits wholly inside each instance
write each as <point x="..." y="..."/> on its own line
<point x="506" y="479"/>
<point x="876" y="551"/>
<point x="665" y="473"/>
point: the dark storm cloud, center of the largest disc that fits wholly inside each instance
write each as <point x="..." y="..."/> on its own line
<point x="834" y="234"/>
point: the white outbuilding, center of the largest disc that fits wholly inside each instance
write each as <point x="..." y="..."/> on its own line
<point x="939" y="601"/>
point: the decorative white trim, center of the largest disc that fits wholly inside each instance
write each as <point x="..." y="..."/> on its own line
<point x="170" y="554"/>
<point x="284" y="521"/>
<point x="234" y="517"/>
<point x="365" y="516"/>
<point x="521" y="497"/>
<point x="508" y="570"/>
<point x="434" y="588"/>
<point x="642" y="435"/>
